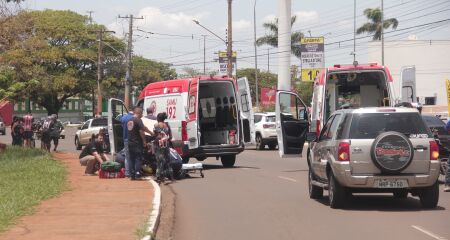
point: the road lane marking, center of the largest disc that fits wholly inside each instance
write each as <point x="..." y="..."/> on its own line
<point x="289" y="179"/>
<point x="423" y="230"/>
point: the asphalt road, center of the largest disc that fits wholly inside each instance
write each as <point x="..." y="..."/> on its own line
<point x="266" y="197"/>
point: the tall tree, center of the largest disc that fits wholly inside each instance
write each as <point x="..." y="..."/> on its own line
<point x="52" y="58"/>
<point x="271" y="39"/>
<point x="374" y="26"/>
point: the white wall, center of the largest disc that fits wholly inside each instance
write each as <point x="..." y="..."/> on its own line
<point x="431" y="59"/>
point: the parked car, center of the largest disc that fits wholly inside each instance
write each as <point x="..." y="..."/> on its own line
<point x="2" y="127"/>
<point x="89" y="129"/>
<point x="374" y="150"/>
<point x="437" y="127"/>
<point x="265" y="132"/>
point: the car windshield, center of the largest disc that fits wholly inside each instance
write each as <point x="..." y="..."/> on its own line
<point x="270" y="118"/>
<point x="370" y="125"/>
<point x="101" y="122"/>
<point x="433" y="121"/>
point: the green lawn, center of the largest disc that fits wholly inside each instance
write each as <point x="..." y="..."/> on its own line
<point x="27" y="176"/>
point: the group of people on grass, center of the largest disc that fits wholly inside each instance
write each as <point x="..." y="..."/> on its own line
<point x="22" y="131"/>
<point x="149" y="133"/>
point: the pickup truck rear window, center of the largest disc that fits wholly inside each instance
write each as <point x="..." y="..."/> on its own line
<point x="370" y="125"/>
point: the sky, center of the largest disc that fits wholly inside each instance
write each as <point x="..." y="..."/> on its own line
<point x="179" y="41"/>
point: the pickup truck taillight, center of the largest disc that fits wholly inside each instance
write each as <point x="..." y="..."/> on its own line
<point x="344" y="151"/>
<point x="184" y="134"/>
<point x="434" y="150"/>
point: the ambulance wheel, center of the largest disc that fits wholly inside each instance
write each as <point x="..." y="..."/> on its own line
<point x="228" y="160"/>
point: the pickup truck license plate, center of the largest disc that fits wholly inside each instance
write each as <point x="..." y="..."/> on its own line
<point x="391" y="183"/>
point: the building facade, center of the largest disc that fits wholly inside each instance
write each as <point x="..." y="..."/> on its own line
<point x="431" y="61"/>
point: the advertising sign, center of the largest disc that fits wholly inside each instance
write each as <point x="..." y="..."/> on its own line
<point x="268" y="96"/>
<point x="223" y="63"/>
<point x="312" y="57"/>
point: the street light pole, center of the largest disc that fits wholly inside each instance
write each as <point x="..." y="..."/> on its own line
<point x="230" y="42"/>
<point x="204" y="54"/>
<point x="256" y="56"/>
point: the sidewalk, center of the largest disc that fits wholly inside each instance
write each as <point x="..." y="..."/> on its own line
<point x="92" y="208"/>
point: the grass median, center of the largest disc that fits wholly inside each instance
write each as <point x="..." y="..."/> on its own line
<point x="27" y="177"/>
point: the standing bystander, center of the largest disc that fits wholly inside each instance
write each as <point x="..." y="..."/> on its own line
<point x="124" y="120"/>
<point x="28" y="128"/>
<point x="55" y="132"/>
<point x="136" y="142"/>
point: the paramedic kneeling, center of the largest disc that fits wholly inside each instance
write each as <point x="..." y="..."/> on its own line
<point x="93" y="155"/>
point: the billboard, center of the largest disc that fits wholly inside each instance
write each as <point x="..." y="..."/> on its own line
<point x="312" y="57"/>
<point x="268" y="96"/>
<point x="223" y="63"/>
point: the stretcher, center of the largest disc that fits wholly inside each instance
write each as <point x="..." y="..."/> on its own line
<point x="191" y="168"/>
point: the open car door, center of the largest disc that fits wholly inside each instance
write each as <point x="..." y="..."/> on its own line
<point x="291" y="123"/>
<point x="408" y="80"/>
<point x="116" y="109"/>
<point x="246" y="110"/>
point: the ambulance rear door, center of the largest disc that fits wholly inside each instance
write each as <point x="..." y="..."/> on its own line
<point x="246" y="110"/>
<point x="192" y="120"/>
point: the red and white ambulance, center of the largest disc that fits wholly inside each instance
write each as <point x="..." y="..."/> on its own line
<point x="210" y="116"/>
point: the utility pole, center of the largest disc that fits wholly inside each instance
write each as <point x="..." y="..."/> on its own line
<point x="100" y="35"/>
<point x="93" y="91"/>
<point x="354" y="31"/>
<point x="90" y="16"/>
<point x="230" y="42"/>
<point x="204" y="54"/>
<point x="268" y="60"/>
<point x="128" y="78"/>
<point x="284" y="44"/>
<point x="256" y="56"/>
<point x="382" y="34"/>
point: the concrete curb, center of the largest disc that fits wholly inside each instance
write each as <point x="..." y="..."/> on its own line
<point x="155" y="214"/>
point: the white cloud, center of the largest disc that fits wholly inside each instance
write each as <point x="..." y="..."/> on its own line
<point x="304" y="17"/>
<point x="269" y="18"/>
<point x="155" y="19"/>
<point x="241" y="25"/>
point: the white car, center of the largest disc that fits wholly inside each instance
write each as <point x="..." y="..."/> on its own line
<point x="89" y="129"/>
<point x="265" y="132"/>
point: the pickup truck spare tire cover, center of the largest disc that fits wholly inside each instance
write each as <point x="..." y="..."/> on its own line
<point x="392" y="152"/>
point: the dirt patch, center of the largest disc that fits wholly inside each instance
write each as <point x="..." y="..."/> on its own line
<point x="93" y="208"/>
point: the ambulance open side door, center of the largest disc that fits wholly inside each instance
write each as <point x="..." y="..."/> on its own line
<point x="246" y="110"/>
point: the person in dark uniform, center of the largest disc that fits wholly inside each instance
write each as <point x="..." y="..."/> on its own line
<point x="136" y="142"/>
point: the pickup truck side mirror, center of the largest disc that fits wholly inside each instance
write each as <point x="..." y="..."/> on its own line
<point x="311" y="137"/>
<point x="79" y="128"/>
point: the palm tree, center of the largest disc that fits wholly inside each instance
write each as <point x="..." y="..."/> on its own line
<point x="374" y="26"/>
<point x="272" y="38"/>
